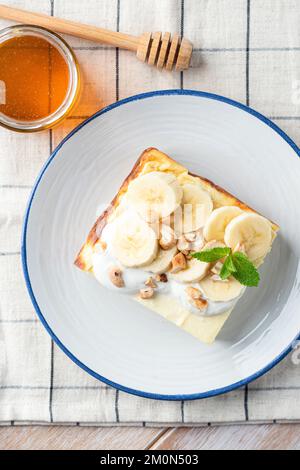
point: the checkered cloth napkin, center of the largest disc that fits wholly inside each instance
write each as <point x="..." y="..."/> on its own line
<point x="248" y="50"/>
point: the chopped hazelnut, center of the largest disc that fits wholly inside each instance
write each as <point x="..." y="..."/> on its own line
<point x="196" y="299"/>
<point x="146" y="293"/>
<point x="183" y="245"/>
<point x="167" y="237"/>
<point x="161" y="277"/>
<point x="150" y="282"/>
<point x="115" y="275"/>
<point x="185" y="252"/>
<point x="193" y="293"/>
<point x="198" y="243"/>
<point x="201" y="304"/>
<point x="178" y="263"/>
<point x="190" y="236"/>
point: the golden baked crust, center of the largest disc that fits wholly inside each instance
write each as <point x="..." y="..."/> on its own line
<point x="154" y="160"/>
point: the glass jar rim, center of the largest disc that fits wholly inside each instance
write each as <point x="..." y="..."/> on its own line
<point x="74" y="80"/>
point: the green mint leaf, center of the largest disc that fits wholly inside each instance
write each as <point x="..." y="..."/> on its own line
<point x="246" y="273"/>
<point x="228" y="268"/>
<point x="209" y="256"/>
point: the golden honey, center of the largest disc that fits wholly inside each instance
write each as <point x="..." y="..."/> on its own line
<point x="37" y="86"/>
<point x="34" y="76"/>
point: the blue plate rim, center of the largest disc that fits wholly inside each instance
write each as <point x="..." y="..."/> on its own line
<point x="151" y="395"/>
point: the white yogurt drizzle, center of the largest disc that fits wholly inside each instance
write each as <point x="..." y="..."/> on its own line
<point x="134" y="280"/>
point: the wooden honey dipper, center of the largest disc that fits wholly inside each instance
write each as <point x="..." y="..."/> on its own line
<point x="154" y="48"/>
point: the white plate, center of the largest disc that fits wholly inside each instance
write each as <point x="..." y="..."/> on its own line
<point x="114" y="338"/>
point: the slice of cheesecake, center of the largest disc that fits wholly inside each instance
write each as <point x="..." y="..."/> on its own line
<point x="142" y="245"/>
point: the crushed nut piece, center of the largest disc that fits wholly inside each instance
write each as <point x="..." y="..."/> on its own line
<point x="167" y="237"/>
<point x="150" y="282"/>
<point x="161" y="277"/>
<point x="146" y="293"/>
<point x="193" y="293"/>
<point x="178" y="263"/>
<point x="185" y="252"/>
<point x="195" y="298"/>
<point x="198" y="243"/>
<point x="183" y="245"/>
<point x="191" y="236"/>
<point x="115" y="275"/>
<point x="201" y="304"/>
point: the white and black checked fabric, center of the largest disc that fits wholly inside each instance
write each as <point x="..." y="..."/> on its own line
<point x="248" y="50"/>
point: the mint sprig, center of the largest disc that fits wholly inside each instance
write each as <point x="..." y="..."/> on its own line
<point x="246" y="273"/>
<point x="209" y="256"/>
<point x="228" y="268"/>
<point x="235" y="264"/>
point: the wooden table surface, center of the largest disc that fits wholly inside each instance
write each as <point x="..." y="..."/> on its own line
<point x="264" y="436"/>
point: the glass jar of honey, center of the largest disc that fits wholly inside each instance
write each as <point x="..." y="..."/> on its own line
<point x="39" y="78"/>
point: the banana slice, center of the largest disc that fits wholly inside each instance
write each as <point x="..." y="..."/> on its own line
<point x="197" y="207"/>
<point x="195" y="271"/>
<point x="134" y="243"/>
<point x="155" y="193"/>
<point x="220" y="291"/>
<point x="251" y="230"/>
<point x="213" y="244"/>
<point x="218" y="220"/>
<point x="162" y="262"/>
